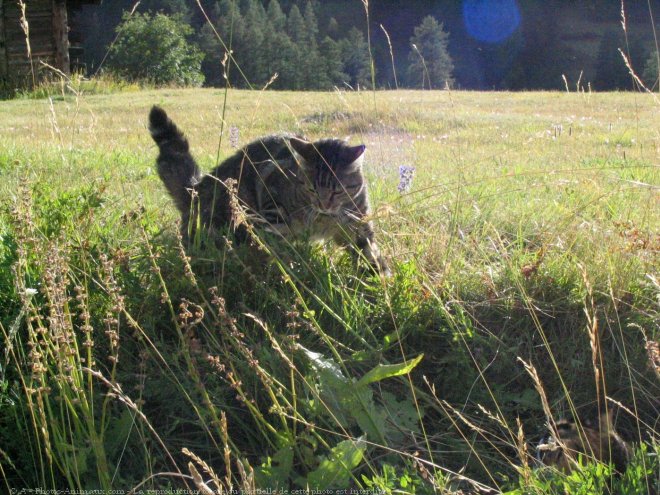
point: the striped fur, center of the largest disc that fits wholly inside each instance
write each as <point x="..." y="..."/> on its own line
<point x="596" y="442"/>
<point x="283" y="184"/>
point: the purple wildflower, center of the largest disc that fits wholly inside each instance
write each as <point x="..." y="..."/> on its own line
<point x="233" y="136"/>
<point x="406" y="173"/>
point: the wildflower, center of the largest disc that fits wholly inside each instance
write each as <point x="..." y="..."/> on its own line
<point x="233" y="136"/>
<point x="406" y="173"/>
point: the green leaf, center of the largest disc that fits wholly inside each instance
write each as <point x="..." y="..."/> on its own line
<point x="401" y="419"/>
<point x="275" y="471"/>
<point x="345" y="399"/>
<point x="383" y="371"/>
<point x="335" y="470"/>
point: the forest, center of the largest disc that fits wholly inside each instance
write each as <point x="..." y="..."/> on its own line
<point x="314" y="45"/>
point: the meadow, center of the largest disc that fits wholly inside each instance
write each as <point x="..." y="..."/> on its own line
<point x="525" y="288"/>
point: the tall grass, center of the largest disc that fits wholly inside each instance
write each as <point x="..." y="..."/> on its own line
<point x="131" y="363"/>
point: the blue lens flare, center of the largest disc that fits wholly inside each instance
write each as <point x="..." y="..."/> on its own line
<point x="491" y="21"/>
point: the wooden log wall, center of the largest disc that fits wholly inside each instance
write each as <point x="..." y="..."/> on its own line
<point x="61" y="36"/>
<point x="3" y="46"/>
<point x="48" y="22"/>
<point x="39" y="15"/>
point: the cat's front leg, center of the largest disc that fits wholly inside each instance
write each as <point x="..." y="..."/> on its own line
<point x="361" y="241"/>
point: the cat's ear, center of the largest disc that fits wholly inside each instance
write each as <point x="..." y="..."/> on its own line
<point x="303" y="148"/>
<point x="356" y="156"/>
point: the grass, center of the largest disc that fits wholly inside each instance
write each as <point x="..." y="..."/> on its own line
<point x="530" y="233"/>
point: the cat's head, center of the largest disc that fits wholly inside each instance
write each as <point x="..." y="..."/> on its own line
<point x="333" y="172"/>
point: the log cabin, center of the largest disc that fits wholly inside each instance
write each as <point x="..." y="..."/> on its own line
<point x="36" y="31"/>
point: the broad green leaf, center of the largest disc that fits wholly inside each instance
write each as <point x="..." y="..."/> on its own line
<point x="335" y="470"/>
<point x="345" y="399"/>
<point x="383" y="371"/>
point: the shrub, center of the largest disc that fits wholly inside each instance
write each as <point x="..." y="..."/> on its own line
<point x="155" y="49"/>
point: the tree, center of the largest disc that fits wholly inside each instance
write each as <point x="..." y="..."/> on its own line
<point x="155" y="49"/>
<point x="169" y="7"/>
<point x="312" y="77"/>
<point x="231" y="27"/>
<point x="213" y="55"/>
<point x="651" y="72"/>
<point x="280" y="52"/>
<point x="295" y="25"/>
<point x="611" y="70"/>
<point x="253" y="57"/>
<point x="295" y="29"/>
<point x="357" y="63"/>
<point x="429" y="60"/>
<point x="276" y="17"/>
<point x="332" y="73"/>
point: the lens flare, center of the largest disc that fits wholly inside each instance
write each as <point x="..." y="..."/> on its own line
<point x="491" y="21"/>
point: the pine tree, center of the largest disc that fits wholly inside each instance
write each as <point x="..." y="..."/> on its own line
<point x="651" y="73"/>
<point x="253" y="58"/>
<point x="312" y="76"/>
<point x="213" y="54"/>
<point x="429" y="61"/>
<point x="279" y="51"/>
<point x="332" y="29"/>
<point x="232" y="30"/>
<point x="295" y="28"/>
<point x="357" y="63"/>
<point x="295" y="25"/>
<point x="276" y="17"/>
<point x="331" y="63"/>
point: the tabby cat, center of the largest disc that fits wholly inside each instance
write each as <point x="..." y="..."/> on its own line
<point x="283" y="184"/>
<point x="599" y="442"/>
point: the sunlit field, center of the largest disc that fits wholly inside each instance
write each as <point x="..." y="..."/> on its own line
<point x="524" y="243"/>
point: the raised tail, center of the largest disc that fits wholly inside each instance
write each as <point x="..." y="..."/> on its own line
<point x="176" y="166"/>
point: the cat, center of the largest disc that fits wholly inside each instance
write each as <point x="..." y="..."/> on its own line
<point x="281" y="183"/>
<point x="600" y="442"/>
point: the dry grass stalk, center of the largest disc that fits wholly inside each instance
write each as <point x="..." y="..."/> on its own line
<point x="197" y="478"/>
<point x="25" y="26"/>
<point x="247" y="478"/>
<point x="495" y="417"/>
<point x="389" y="43"/>
<point x="623" y="17"/>
<point x="225" y="448"/>
<point x="523" y="454"/>
<point x="592" y="331"/>
<point x="465" y="420"/>
<point x="641" y="84"/>
<point x="118" y="393"/>
<point x="199" y="482"/>
<point x="531" y="370"/>
<point x="653" y="353"/>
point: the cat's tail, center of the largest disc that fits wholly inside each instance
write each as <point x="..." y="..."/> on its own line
<point x="176" y="166"/>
